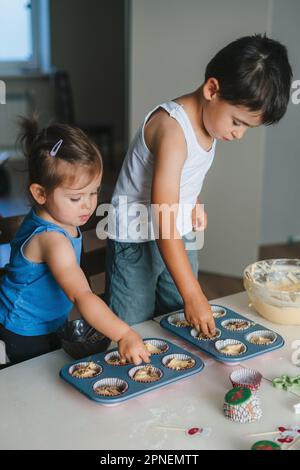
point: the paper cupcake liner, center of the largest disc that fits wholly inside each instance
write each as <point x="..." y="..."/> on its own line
<point x="172" y="319"/>
<point x="159" y="344"/>
<point x="114" y="355"/>
<point x="110" y="382"/>
<point x="180" y="357"/>
<point x="217" y="311"/>
<point x="265" y="445"/>
<point x="247" y="412"/>
<point x="222" y="343"/>
<point x="74" y="367"/>
<point x="197" y="335"/>
<point x="249" y="378"/>
<point x="132" y="372"/>
<point x="265" y="334"/>
<point x="226" y="324"/>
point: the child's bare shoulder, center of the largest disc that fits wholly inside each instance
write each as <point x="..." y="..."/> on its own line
<point x="160" y="129"/>
<point x="41" y="243"/>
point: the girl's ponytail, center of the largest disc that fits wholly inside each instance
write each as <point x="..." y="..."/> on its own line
<point x="29" y="130"/>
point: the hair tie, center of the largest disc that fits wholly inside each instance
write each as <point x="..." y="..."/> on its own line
<point x="56" y="148"/>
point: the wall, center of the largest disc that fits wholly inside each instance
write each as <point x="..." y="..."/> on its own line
<point x="170" y="47"/>
<point x="281" y="188"/>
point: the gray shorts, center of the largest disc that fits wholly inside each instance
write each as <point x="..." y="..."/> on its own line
<point x="138" y="284"/>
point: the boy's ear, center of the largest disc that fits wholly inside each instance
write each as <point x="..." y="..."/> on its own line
<point x="210" y="88"/>
<point x="38" y="193"/>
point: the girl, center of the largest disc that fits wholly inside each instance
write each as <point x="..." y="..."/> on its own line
<point x="43" y="277"/>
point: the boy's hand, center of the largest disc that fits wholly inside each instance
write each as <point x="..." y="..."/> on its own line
<point x="198" y="312"/>
<point x="199" y="218"/>
<point x="132" y="348"/>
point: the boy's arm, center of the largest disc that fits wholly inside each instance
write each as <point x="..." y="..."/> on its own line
<point x="61" y="260"/>
<point x="169" y="149"/>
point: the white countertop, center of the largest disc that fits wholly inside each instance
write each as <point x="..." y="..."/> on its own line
<point x="38" y="410"/>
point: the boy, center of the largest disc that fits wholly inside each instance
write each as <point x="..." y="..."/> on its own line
<point x="247" y="84"/>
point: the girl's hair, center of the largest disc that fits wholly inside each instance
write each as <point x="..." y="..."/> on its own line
<point x="254" y="71"/>
<point x="76" y="155"/>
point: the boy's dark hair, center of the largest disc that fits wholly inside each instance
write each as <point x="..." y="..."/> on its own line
<point x="254" y="71"/>
<point x="77" y="152"/>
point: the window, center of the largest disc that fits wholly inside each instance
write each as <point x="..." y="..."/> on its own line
<point x="24" y="44"/>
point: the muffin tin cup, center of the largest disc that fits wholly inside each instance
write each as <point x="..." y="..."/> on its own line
<point x="134" y="370"/>
<point x="197" y="335"/>
<point x="172" y="319"/>
<point x="115" y="355"/>
<point x="122" y="385"/>
<point x="208" y="346"/>
<point x="270" y="335"/>
<point x="226" y="324"/>
<point x="181" y="357"/>
<point x="230" y="342"/>
<point x="249" y="378"/>
<point x="75" y="367"/>
<point x="112" y="373"/>
<point x="159" y="344"/>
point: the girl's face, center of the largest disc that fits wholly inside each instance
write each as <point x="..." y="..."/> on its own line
<point x="223" y="120"/>
<point x="74" y="204"/>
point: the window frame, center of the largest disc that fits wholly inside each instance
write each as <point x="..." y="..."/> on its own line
<point x="40" y="61"/>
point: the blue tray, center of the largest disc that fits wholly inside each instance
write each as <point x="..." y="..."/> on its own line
<point x="85" y="385"/>
<point x="208" y="346"/>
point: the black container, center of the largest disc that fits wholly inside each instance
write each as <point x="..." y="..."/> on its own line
<point x="79" y="339"/>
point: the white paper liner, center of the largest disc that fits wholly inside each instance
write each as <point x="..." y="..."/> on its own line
<point x="113" y="355"/>
<point x="250" y="378"/>
<point x="222" y="343"/>
<point x="218" y="312"/>
<point x="247" y="412"/>
<point x="265" y="333"/>
<point x="181" y="357"/>
<point x="76" y="366"/>
<point x="226" y="323"/>
<point x="162" y="345"/>
<point x="177" y="317"/>
<point x="132" y="371"/>
<point x="195" y="334"/>
<point x="111" y="382"/>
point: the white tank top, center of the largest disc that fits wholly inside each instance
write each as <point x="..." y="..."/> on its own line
<point x="132" y="195"/>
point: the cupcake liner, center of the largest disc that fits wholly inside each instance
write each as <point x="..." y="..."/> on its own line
<point x="198" y="335"/>
<point x="217" y="311"/>
<point x="265" y="334"/>
<point x="249" y="378"/>
<point x="226" y="324"/>
<point x="114" y="355"/>
<point x="110" y="382"/>
<point x="241" y="405"/>
<point x="75" y="367"/>
<point x="180" y="357"/>
<point x="222" y="343"/>
<point x="132" y="372"/>
<point x="265" y="445"/>
<point x="162" y="345"/>
<point x="172" y="319"/>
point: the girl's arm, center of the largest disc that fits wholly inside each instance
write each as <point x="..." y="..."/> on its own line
<point x="59" y="255"/>
<point x="168" y="146"/>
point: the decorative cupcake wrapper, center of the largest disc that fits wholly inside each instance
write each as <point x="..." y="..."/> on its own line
<point x="220" y="344"/>
<point x="265" y="445"/>
<point x="172" y="319"/>
<point x="245" y="413"/>
<point x="180" y="357"/>
<point x="114" y="355"/>
<point x="265" y="334"/>
<point x="111" y="382"/>
<point x="218" y="312"/>
<point x="75" y="367"/>
<point x="162" y="345"/>
<point x="250" y="378"/>
<point x="197" y="335"/>
<point x="132" y="372"/>
<point x="226" y="324"/>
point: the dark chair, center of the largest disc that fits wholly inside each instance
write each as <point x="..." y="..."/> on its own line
<point x="101" y="134"/>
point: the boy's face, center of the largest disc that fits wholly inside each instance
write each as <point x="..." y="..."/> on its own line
<point x="225" y="121"/>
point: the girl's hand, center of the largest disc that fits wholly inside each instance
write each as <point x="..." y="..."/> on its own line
<point x="199" y="218"/>
<point x="198" y="312"/>
<point x="132" y="348"/>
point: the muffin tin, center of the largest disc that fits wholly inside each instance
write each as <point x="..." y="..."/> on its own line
<point x="223" y="316"/>
<point x="121" y="375"/>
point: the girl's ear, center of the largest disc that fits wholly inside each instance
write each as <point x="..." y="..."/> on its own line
<point x="38" y="193"/>
<point x="211" y="88"/>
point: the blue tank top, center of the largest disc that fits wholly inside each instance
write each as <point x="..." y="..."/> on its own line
<point x="31" y="301"/>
